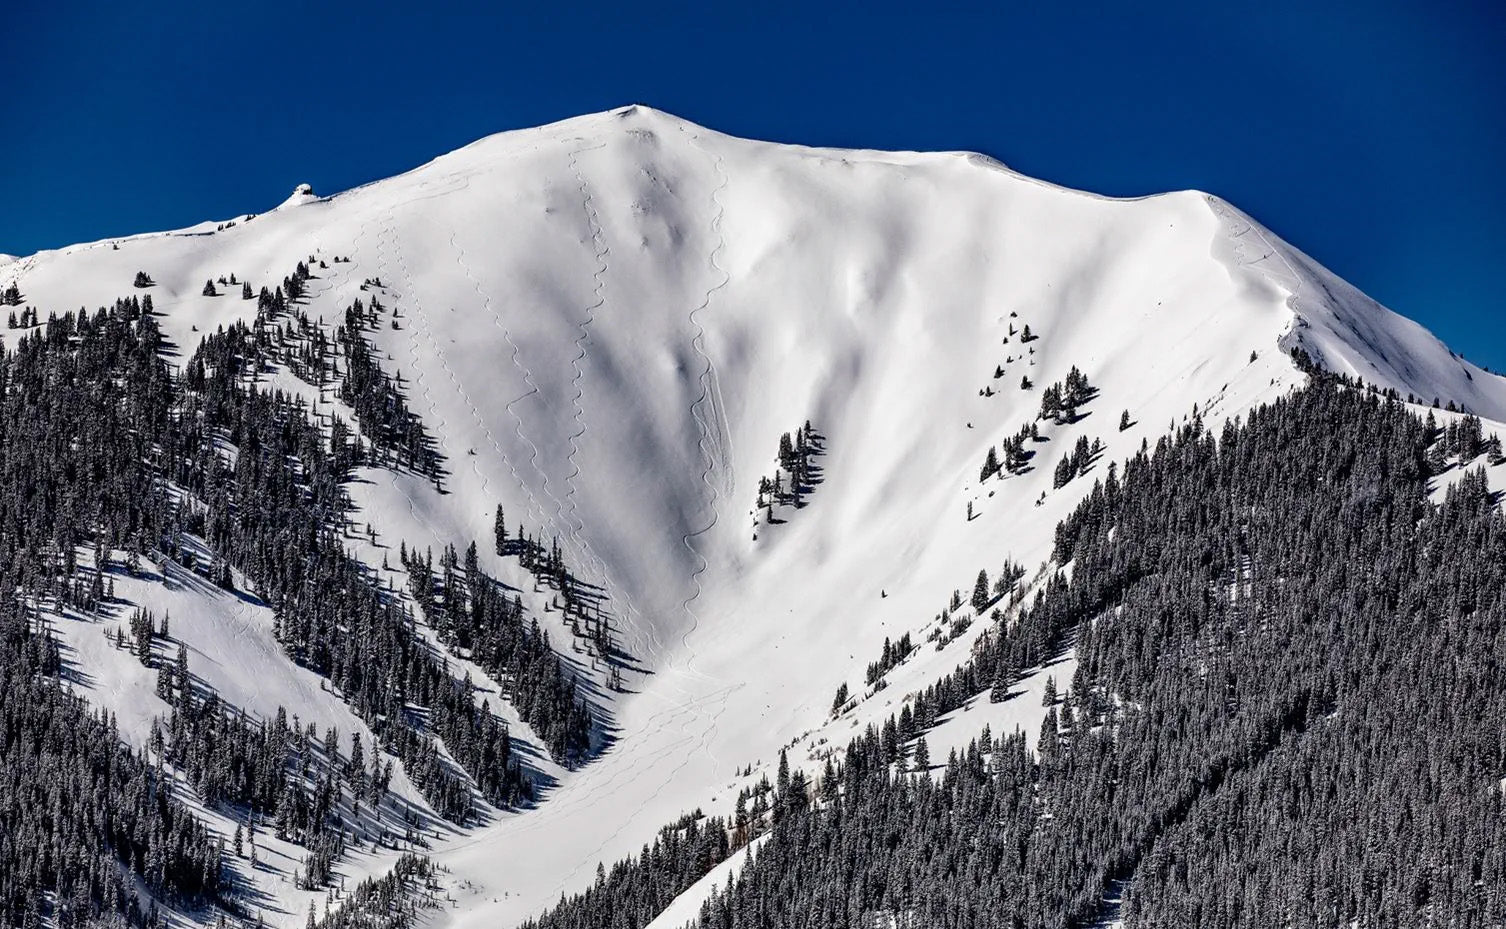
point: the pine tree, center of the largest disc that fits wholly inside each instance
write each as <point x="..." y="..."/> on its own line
<point x="990" y="465"/>
<point x="980" y="592"/>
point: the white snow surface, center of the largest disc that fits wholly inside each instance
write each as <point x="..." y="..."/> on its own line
<point x="608" y="322"/>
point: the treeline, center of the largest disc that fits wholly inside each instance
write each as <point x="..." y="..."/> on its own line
<point x="1060" y="401"/>
<point x="1076" y="462"/>
<point x="1286" y="710"/>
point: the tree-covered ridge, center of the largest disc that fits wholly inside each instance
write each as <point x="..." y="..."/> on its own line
<point x="1286" y="711"/>
<point x="277" y="511"/>
<point x="104" y="450"/>
<point x="470" y="611"/>
<point x="634" y="891"/>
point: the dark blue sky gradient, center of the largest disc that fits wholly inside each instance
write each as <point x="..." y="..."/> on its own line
<point x="1372" y="136"/>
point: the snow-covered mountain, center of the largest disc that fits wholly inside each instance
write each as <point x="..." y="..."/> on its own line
<point x="607" y="323"/>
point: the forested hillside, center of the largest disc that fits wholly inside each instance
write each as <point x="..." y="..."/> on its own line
<point x="1287" y="711"/>
<point x="109" y="458"/>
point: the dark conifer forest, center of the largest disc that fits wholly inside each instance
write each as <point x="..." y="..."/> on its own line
<point x="106" y="450"/>
<point x="1287" y="712"/>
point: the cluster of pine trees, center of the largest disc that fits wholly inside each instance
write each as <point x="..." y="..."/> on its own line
<point x="796" y="474"/>
<point x="1286" y="711"/>
<point x="378" y="400"/>
<point x="1075" y="462"/>
<point x="1464" y="440"/>
<point x="891" y="655"/>
<point x="393" y="901"/>
<point x="1017" y="454"/>
<point x="470" y="612"/>
<point x="1061" y="400"/>
<point x="27" y="320"/>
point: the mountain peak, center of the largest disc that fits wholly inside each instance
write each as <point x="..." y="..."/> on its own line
<point x="755" y="395"/>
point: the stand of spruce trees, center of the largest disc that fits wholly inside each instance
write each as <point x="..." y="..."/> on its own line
<point x="1287" y="712"/>
<point x="85" y="823"/>
<point x="277" y="512"/>
<point x="469" y="611"/>
<point x="104" y="449"/>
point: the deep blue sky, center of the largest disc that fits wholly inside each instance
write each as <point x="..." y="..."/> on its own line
<point x="1374" y="140"/>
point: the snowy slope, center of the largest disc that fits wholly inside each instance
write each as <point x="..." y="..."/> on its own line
<point x="608" y="322"/>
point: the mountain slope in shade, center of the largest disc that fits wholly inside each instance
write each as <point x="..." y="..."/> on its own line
<point x="609" y="322"/>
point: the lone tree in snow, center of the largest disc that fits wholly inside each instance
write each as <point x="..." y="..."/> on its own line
<point x="980" y="592"/>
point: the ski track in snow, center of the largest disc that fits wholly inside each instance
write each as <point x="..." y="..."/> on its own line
<point x="709" y="457"/>
<point x="1292" y="281"/>
<point x="416" y="321"/>
<point x="534" y="510"/>
<point x="569" y="514"/>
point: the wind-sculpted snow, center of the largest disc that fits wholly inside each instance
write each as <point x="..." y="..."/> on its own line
<point x="607" y="324"/>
